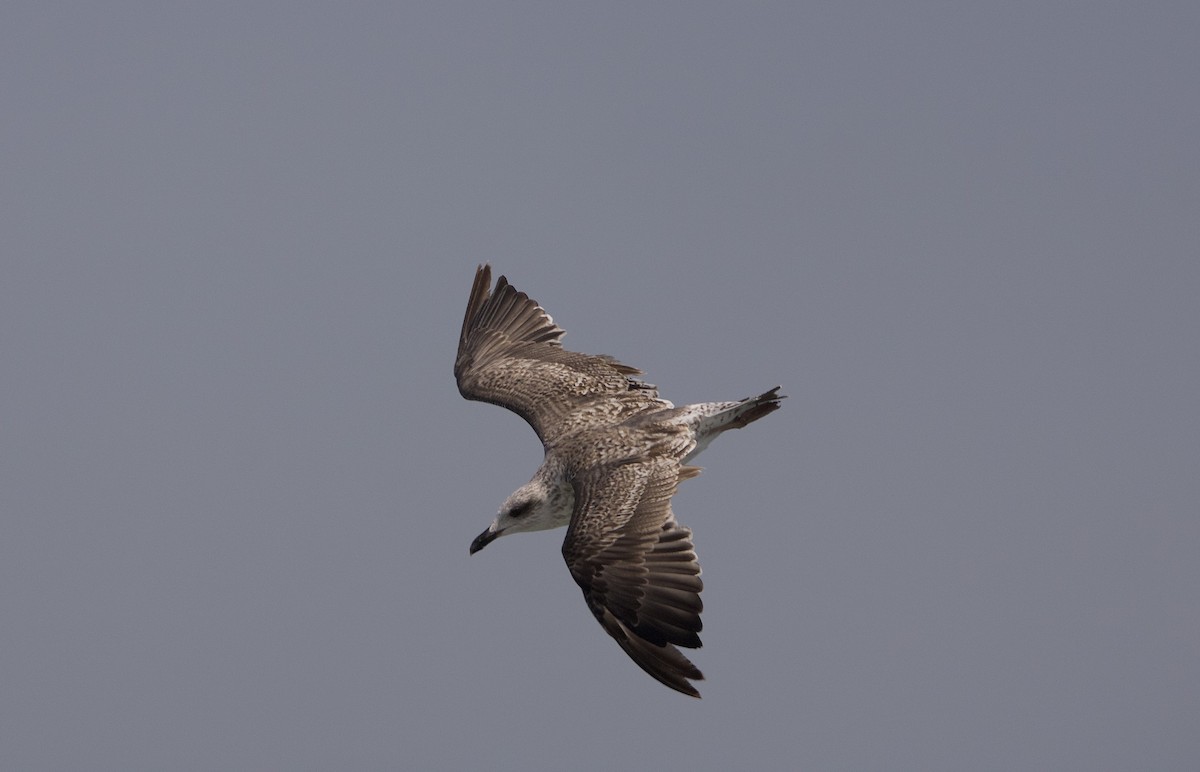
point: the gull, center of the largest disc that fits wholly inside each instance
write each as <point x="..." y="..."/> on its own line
<point x="614" y="454"/>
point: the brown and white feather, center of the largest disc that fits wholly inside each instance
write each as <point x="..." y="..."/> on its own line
<point x="615" y="454"/>
<point x="637" y="566"/>
<point x="509" y="354"/>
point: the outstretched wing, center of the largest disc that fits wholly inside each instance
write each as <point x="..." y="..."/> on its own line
<point x="509" y="354"/>
<point x="637" y="566"/>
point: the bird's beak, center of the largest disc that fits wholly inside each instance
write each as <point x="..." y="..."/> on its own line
<point x="484" y="539"/>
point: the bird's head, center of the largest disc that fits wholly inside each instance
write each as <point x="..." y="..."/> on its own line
<point x="529" y="508"/>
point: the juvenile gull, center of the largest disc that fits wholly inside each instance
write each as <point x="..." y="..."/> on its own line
<point x="615" y="452"/>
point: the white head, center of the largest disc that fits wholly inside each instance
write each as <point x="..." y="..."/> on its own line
<point x="532" y="507"/>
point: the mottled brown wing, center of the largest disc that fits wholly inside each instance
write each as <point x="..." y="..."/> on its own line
<point x="637" y="566"/>
<point x="509" y="354"/>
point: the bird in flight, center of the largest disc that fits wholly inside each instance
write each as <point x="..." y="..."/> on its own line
<point x="614" y="453"/>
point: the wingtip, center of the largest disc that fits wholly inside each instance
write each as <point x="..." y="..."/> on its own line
<point x="483" y="274"/>
<point x="663" y="662"/>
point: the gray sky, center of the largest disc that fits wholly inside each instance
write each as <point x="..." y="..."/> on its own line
<point x="238" y="484"/>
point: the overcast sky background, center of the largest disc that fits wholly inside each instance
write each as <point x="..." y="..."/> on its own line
<point x="238" y="483"/>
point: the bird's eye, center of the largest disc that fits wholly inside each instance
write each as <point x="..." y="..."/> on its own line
<point x="520" y="510"/>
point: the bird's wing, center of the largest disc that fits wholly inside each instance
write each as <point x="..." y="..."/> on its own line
<point x="509" y="354"/>
<point x="637" y="566"/>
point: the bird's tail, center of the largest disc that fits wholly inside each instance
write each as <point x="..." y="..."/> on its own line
<point x="750" y="409"/>
<point x="711" y="418"/>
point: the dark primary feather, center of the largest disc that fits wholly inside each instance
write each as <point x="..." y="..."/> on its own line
<point x="509" y="354"/>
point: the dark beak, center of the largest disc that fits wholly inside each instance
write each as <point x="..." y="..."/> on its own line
<point x="484" y="539"/>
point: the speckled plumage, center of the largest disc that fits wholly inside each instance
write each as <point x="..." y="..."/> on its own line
<point x="615" y="452"/>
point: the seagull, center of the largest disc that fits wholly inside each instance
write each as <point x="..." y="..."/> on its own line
<point x="614" y="454"/>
